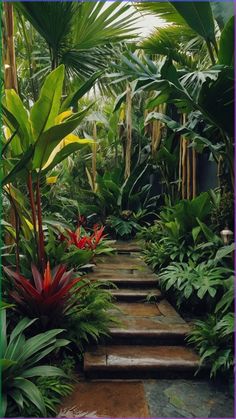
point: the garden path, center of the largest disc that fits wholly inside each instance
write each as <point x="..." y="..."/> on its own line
<point x="121" y="376"/>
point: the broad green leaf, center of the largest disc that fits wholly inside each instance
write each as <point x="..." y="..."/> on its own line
<point x="52" y="137"/>
<point x="119" y="100"/>
<point x="20" y="327"/>
<point x="6" y="363"/>
<point x="73" y="98"/>
<point x="70" y="144"/>
<point x="45" y="110"/>
<point x="21" y="165"/>
<point x="17" y="109"/>
<point x="43" y="371"/>
<point x="18" y="397"/>
<point x="31" y="392"/>
<point x="3" y="405"/>
<point x="226" y="49"/>
<point x="198" y="15"/>
<point x="225" y="251"/>
<point x="208" y="233"/>
<point x="195" y="232"/>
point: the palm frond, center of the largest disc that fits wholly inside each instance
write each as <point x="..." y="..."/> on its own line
<point x="168" y="41"/>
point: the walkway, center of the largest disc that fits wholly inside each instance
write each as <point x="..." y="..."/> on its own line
<point x="147" y="344"/>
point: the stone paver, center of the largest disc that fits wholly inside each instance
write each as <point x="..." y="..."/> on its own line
<point x="106" y="400"/>
<point x="188" y="399"/>
<point x="149" y="399"/>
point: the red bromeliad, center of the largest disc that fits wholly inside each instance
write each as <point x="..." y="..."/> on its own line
<point x="84" y="242"/>
<point x="47" y="294"/>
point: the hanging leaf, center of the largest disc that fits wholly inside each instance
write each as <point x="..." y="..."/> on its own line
<point x="198" y="15"/>
<point x="226" y="50"/>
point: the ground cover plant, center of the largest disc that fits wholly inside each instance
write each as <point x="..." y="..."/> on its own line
<point x="112" y="134"/>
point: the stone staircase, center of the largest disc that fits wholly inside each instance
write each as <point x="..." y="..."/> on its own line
<point x="149" y="341"/>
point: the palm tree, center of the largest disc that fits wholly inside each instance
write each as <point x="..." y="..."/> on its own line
<point x="80" y="35"/>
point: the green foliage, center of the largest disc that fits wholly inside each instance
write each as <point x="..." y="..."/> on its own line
<point x="124" y="228"/>
<point x="203" y="280"/>
<point x="213" y="338"/>
<point x="90" y="320"/>
<point x="21" y="363"/>
<point x="82" y="34"/>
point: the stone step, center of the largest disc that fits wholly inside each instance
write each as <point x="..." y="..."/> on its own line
<point x="145" y="323"/>
<point x="124" y="273"/>
<point x="127" y="281"/>
<point x="127" y="247"/>
<point x="136" y="294"/>
<point x="139" y="361"/>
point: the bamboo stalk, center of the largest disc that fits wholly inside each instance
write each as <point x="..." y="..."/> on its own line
<point x="184" y="171"/>
<point x="194" y="165"/>
<point x="188" y="171"/>
<point x="180" y="163"/>
<point x="156" y="133"/>
<point x="94" y="156"/>
<point x="128" y="132"/>
<point x="10" y="77"/>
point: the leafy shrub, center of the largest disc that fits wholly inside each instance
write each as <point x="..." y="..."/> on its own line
<point x="124" y="228"/>
<point x="200" y="281"/>
<point x="150" y="233"/>
<point x="20" y="365"/>
<point x="213" y="339"/>
<point x="91" y="318"/>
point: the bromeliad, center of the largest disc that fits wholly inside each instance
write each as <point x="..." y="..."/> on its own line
<point x="47" y="294"/>
<point x="89" y="242"/>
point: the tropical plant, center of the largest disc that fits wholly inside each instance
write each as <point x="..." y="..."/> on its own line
<point x="21" y="363"/>
<point x="45" y="294"/>
<point x="90" y="320"/>
<point x="84" y="35"/>
<point x="36" y="141"/>
<point x="125" y="226"/>
<point x="89" y="242"/>
<point x="202" y="281"/>
<point x="213" y="339"/>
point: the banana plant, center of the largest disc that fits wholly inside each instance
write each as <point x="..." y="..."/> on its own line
<point x="36" y="140"/>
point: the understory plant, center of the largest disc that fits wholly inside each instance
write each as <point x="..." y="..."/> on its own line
<point x="214" y="337"/>
<point x="21" y="364"/>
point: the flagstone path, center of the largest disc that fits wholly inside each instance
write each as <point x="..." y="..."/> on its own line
<point x="141" y="370"/>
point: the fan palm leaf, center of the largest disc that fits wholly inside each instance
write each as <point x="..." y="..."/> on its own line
<point x="80" y="35"/>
